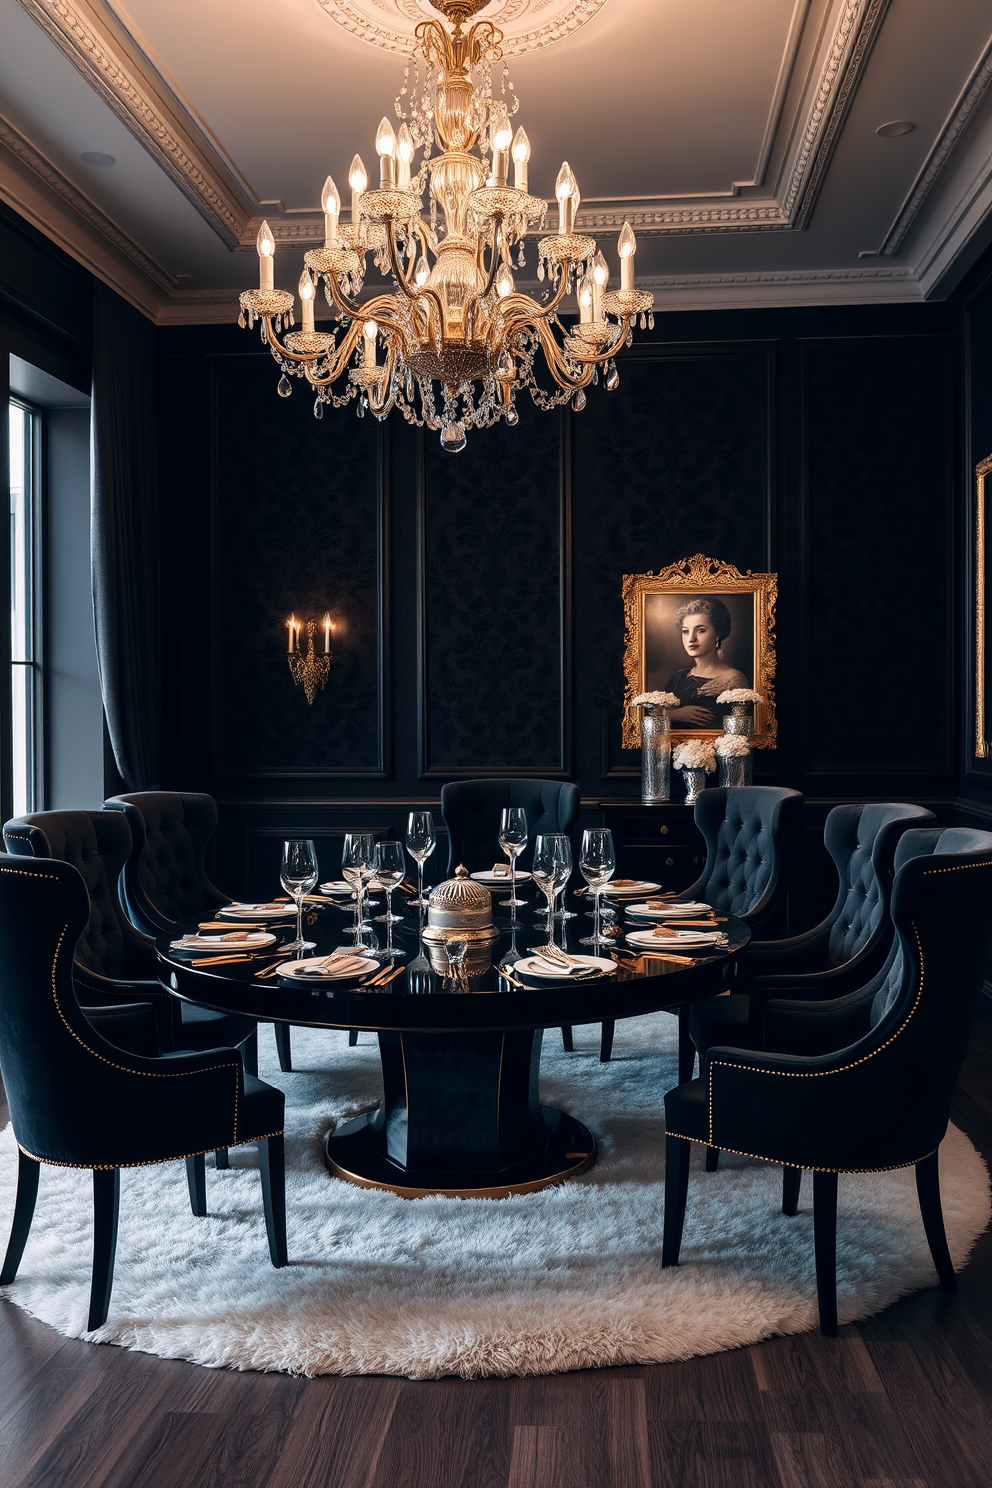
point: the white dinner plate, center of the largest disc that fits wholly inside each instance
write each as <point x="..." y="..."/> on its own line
<point x="355" y="969"/>
<point x="336" y="886"/>
<point x="632" y="890"/>
<point x="646" y="940"/>
<point x="542" y="970"/>
<point x="254" y="939"/>
<point x="671" y="911"/>
<point x="267" y="911"/>
<point x="489" y="878"/>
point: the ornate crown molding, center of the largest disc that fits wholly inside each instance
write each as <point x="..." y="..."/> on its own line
<point x="527" y="25"/>
<point x="100" y="56"/>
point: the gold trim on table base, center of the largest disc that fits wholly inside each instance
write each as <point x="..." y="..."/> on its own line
<point x="586" y="1160"/>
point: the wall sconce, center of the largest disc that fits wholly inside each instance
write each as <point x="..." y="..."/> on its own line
<point x="310" y="669"/>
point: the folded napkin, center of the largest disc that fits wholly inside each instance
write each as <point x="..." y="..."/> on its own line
<point x="334" y="966"/>
<point x="545" y="963"/>
<point x="501" y="870"/>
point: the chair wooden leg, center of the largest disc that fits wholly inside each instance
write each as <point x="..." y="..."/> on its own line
<point x="249" y="1053"/>
<point x="928" y="1192"/>
<point x="606" y="1041"/>
<point x="687" y="1049"/>
<point x="677" y="1151"/>
<point x="28" y="1173"/>
<point x="196" y="1178"/>
<point x="712" y="1159"/>
<point x="825" y="1249"/>
<point x="106" y="1207"/>
<point x="283" y="1047"/>
<point x="566" y="1041"/>
<point x="352" y="1037"/>
<point x="221" y="1159"/>
<point x="792" y="1181"/>
<point x="272" y="1165"/>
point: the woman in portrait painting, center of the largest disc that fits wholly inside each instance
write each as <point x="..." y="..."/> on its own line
<point x="703" y="624"/>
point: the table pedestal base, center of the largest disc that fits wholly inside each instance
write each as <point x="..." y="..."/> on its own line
<point x="461" y="1116"/>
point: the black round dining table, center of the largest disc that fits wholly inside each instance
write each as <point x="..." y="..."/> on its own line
<point x="461" y="1111"/>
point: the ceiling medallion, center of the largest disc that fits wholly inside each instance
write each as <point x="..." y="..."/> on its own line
<point x="526" y="24"/>
<point x="450" y="313"/>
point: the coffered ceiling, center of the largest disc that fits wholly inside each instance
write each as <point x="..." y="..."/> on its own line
<point x="741" y="140"/>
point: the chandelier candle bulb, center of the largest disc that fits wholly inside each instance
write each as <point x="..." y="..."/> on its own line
<point x="504" y="282"/>
<point x="600" y="279"/>
<point x="330" y="200"/>
<point x="358" y="180"/>
<point x="628" y="247"/>
<point x="404" y="156"/>
<point x="306" y="298"/>
<point x="385" y="148"/>
<point x="586" y="296"/>
<point x="369" y="344"/>
<point x="567" y="193"/>
<point x="521" y="157"/>
<point x="502" y="136"/>
<point x="266" y="245"/>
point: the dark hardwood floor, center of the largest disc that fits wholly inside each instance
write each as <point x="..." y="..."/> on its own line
<point x="902" y="1401"/>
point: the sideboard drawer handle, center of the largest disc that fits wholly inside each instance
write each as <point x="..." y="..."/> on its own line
<point x="664" y="831"/>
<point x="669" y="862"/>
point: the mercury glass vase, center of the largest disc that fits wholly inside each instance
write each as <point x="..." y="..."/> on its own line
<point x="656" y="755"/>
<point x="740" y="719"/>
<point x="735" y="769"/>
<point x="695" y="784"/>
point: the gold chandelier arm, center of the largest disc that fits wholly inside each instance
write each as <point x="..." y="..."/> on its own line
<point x="530" y="311"/>
<point x="494" y="263"/>
<point x="411" y="291"/>
<point x="593" y="358"/>
<point x="556" y="361"/>
<point x="341" y="360"/>
<point x="435" y="44"/>
<point x="382" y="405"/>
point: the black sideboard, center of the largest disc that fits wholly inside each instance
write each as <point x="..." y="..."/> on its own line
<point x="661" y="843"/>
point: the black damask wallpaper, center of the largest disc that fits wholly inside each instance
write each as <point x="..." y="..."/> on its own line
<point x="479" y="594"/>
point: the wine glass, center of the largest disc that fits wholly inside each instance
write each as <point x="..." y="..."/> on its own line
<point x="358" y="868"/>
<point x="298" y="875"/>
<point x="421" y="840"/>
<point x="390" y="866"/>
<point x="597" y="862"/>
<point x="565" y="866"/>
<point x="513" y="840"/>
<point x="548" y="867"/>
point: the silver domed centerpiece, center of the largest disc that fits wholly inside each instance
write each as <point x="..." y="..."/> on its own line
<point x="461" y="909"/>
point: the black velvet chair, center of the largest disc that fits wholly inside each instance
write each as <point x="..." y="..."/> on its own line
<point x="471" y="812"/>
<point x="113" y="962"/>
<point x="877" y="1094"/>
<point x="78" y="1101"/>
<point x="745" y="829"/>
<point x="164" y="879"/>
<point x="841" y="953"/>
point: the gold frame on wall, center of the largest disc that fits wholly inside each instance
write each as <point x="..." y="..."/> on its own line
<point x="982" y="469"/>
<point x="704" y="576"/>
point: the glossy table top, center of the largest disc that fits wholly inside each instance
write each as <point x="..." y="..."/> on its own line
<point x="420" y="998"/>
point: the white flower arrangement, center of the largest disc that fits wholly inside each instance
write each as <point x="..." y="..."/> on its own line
<point x="732" y="746"/>
<point x="656" y="700"/>
<point x="740" y="695"/>
<point x="694" y="754"/>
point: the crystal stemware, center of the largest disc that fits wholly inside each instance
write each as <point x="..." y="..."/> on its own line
<point x="298" y="875"/>
<point x="420" y="843"/>
<point x="513" y="840"/>
<point x="597" y="863"/>
<point x="358" y="868"/>
<point x="548" y="868"/>
<point x="390" y="866"/>
<point x="565" y="866"/>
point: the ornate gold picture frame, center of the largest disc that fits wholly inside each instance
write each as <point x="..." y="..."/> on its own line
<point x="656" y="658"/>
<point x="982" y="471"/>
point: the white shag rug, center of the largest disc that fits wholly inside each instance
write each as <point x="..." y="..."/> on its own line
<point x="567" y="1278"/>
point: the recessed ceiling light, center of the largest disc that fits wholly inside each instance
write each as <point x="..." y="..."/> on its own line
<point x="898" y="126"/>
<point x="96" y="157"/>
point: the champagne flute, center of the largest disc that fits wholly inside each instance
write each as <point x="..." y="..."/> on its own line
<point x="597" y="862"/>
<point x="421" y="840"/>
<point x="513" y="840"/>
<point x="358" y="868"/>
<point x="390" y="866"/>
<point x="547" y="870"/>
<point x="298" y="875"/>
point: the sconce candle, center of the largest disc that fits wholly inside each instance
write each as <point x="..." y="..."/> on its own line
<point x="327" y="635"/>
<point x="291" y="627"/>
<point x="311" y="670"/>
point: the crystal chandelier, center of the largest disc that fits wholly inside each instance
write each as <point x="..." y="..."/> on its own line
<point x="452" y="315"/>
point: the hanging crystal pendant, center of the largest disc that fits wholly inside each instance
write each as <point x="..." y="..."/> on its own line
<point x="453" y="438"/>
<point x="318" y="409"/>
<point x="579" y="401"/>
<point x="284" y="387"/>
<point x="612" y="378"/>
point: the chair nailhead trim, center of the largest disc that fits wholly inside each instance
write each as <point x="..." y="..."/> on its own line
<point x="788" y="1163"/>
<point x="151" y="1162"/>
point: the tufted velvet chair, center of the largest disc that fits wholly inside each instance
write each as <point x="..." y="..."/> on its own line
<point x="114" y="963"/>
<point x="836" y="956"/>
<point x="164" y="880"/>
<point x="77" y="1101"/>
<point x="878" y="1093"/>
<point x="471" y="811"/>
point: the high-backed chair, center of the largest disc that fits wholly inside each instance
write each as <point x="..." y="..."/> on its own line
<point x="745" y="829"/>
<point x="878" y="1096"/>
<point x="471" y="811"/>
<point x="838" y="955"/>
<point x="77" y="1101"/>
<point x="164" y="879"/>
<point x="113" y="962"/>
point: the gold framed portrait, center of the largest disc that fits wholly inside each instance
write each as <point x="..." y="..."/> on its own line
<point x="982" y="472"/>
<point x="727" y="642"/>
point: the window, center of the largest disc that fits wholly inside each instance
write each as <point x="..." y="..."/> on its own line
<point x="25" y="669"/>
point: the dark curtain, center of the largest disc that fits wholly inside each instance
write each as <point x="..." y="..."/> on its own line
<point x="124" y="534"/>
